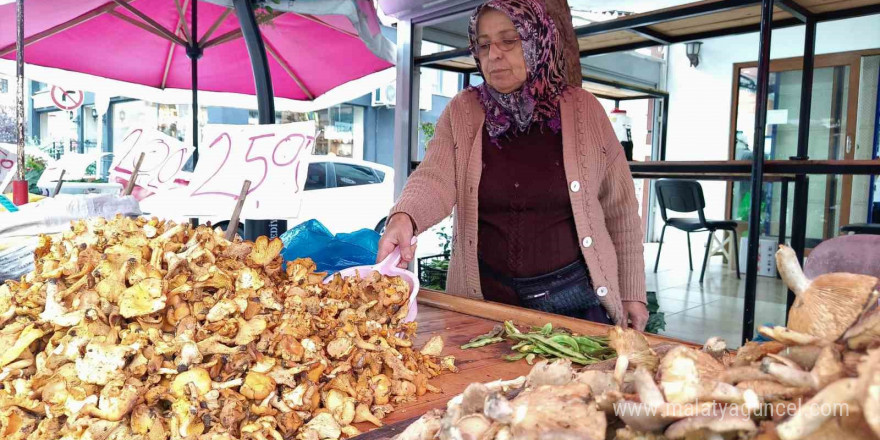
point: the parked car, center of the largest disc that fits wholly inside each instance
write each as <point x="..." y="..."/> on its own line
<point x="343" y="194"/>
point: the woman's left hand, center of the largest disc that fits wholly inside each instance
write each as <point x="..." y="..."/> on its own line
<point x="637" y="314"/>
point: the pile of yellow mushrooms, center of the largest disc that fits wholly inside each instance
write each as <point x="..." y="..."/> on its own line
<point x="145" y="329"/>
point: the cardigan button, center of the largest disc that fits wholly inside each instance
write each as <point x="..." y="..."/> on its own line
<point x="575" y="186"/>
<point x="587" y="242"/>
<point x="602" y="291"/>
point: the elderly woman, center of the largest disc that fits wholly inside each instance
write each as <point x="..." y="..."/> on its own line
<point x="545" y="209"/>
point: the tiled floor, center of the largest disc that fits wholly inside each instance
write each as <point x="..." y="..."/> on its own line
<point x="697" y="312"/>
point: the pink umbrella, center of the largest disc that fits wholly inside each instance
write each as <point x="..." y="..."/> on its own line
<point x="145" y="42"/>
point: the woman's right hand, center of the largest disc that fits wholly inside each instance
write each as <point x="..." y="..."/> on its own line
<point x="398" y="232"/>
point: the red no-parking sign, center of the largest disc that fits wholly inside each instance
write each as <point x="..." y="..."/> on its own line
<point x="67" y="99"/>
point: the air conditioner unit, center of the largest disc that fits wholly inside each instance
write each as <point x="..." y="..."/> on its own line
<point x="386" y="96"/>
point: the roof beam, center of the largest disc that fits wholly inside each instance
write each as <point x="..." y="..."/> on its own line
<point x="795" y="9"/>
<point x="442" y="56"/>
<point x="650" y="34"/>
<point x="849" y="13"/>
<point x="662" y="16"/>
<point x="745" y="29"/>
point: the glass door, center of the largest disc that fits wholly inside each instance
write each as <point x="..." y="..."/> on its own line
<point x="835" y="90"/>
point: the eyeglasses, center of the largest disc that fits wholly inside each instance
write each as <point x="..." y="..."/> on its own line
<point x="506" y="45"/>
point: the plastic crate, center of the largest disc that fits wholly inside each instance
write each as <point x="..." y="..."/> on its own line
<point x="432" y="277"/>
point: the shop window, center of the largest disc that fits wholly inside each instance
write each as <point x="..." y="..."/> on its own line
<point x="341" y="131"/>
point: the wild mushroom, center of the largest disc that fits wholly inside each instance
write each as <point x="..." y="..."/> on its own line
<point x="558" y="372"/>
<point x="716" y="347"/>
<point x="827" y="369"/>
<point x="143" y="298"/>
<point x="324" y="426"/>
<point x="632" y="348"/>
<point x="653" y="413"/>
<point x="736" y="375"/>
<point x="771" y="390"/>
<point x="536" y="414"/>
<point x="791" y="337"/>
<point x="710" y="427"/>
<point x="829" y="304"/>
<point x="101" y="362"/>
<point x="753" y="351"/>
<point x="425" y="428"/>
<point x="433" y="347"/>
<point x="688" y="375"/>
<point x="807" y="419"/>
<point x="117" y="400"/>
<point x="264" y="251"/>
<point x="27" y="336"/>
<point x="257" y="386"/>
<point x="865" y="333"/>
<point x="362" y="414"/>
<point x="869" y="384"/>
<point x="399" y="369"/>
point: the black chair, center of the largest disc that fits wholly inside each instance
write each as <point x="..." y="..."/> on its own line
<point x="686" y="196"/>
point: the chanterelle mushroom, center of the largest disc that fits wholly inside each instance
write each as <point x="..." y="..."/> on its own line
<point x="142" y="329"/>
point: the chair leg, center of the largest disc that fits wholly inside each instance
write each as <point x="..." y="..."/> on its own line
<point x="736" y="252"/>
<point x="690" y="258"/>
<point x="657" y="262"/>
<point x="706" y="257"/>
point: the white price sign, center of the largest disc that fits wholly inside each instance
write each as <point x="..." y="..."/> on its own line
<point x="274" y="158"/>
<point x="8" y="164"/>
<point x="164" y="157"/>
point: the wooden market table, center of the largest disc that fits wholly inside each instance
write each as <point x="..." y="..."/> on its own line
<point x="458" y="320"/>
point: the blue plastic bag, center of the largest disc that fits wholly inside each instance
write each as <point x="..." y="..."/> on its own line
<point x="331" y="253"/>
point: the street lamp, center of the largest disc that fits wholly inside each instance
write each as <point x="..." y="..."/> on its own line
<point x="693" y="52"/>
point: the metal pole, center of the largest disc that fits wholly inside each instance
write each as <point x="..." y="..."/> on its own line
<point x="404" y="117"/>
<point x="801" y="187"/>
<point x="664" y="109"/>
<point x="19" y="189"/>
<point x="244" y="10"/>
<point x="748" y="325"/>
<point x="783" y="211"/>
<point x="195" y="52"/>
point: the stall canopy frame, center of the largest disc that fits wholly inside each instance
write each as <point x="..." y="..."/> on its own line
<point x="663" y="27"/>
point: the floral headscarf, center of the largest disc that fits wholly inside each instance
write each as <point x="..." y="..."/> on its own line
<point x="537" y="101"/>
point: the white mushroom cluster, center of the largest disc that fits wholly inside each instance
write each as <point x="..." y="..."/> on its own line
<point x="818" y="379"/>
<point x="148" y="330"/>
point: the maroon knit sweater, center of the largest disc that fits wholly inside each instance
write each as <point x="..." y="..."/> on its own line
<point x="526" y="225"/>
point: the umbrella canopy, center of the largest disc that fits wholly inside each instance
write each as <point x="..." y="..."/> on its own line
<point x="144" y="42"/>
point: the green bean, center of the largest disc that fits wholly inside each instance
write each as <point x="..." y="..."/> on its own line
<point x="566" y="340"/>
<point x="482" y="342"/>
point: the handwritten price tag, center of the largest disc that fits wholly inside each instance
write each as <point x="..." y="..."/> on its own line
<point x="274" y="158"/>
<point x="8" y="165"/>
<point x="163" y="159"/>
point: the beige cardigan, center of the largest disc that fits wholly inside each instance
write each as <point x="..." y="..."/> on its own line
<point x="600" y="185"/>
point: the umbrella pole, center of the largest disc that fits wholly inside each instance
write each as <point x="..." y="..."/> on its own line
<point x="19" y="185"/>
<point x="194" y="63"/>
<point x="250" y="31"/>
<point x="194" y="52"/>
